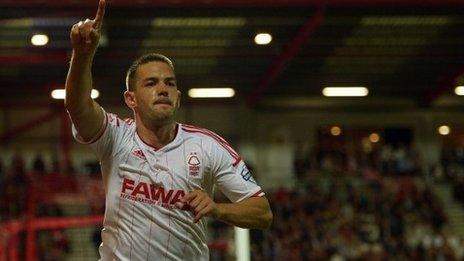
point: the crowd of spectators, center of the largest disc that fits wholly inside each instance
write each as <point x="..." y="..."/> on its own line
<point x="371" y="203"/>
<point x="15" y="181"/>
<point x="351" y="218"/>
<point x="398" y="160"/>
<point x="452" y="169"/>
<point x="13" y="189"/>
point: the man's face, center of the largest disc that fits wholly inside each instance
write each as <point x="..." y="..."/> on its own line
<point x="156" y="94"/>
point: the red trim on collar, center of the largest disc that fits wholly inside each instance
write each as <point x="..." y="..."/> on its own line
<point x="153" y="147"/>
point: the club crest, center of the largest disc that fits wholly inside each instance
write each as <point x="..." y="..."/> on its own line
<point x="194" y="164"/>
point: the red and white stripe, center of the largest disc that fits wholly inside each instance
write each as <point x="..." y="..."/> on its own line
<point x="129" y="120"/>
<point x="260" y="193"/>
<point x="219" y="139"/>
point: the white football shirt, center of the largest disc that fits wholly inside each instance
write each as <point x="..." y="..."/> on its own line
<point x="144" y="218"/>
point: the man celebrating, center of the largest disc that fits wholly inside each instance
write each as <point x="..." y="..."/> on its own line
<point x="158" y="174"/>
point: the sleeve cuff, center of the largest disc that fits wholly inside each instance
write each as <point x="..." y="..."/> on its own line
<point x="260" y="193"/>
<point x="97" y="136"/>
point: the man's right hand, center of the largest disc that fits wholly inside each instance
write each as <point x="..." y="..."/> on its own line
<point x="85" y="35"/>
<point x="86" y="114"/>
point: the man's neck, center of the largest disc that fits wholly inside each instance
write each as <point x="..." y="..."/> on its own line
<point x="155" y="135"/>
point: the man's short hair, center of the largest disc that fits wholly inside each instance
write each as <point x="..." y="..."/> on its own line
<point x="150" y="57"/>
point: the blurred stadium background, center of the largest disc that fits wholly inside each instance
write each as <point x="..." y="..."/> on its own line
<point x="379" y="177"/>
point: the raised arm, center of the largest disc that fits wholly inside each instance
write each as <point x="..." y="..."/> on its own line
<point x="85" y="113"/>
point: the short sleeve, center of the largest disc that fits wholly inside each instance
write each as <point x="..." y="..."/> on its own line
<point x="231" y="175"/>
<point x="111" y="133"/>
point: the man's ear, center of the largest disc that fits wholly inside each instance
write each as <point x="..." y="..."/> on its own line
<point x="129" y="98"/>
<point x="179" y="95"/>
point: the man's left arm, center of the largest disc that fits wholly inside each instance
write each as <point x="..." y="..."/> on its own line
<point x="252" y="212"/>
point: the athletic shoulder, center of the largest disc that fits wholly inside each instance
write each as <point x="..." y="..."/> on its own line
<point x="212" y="140"/>
<point x="202" y="133"/>
<point x="116" y="121"/>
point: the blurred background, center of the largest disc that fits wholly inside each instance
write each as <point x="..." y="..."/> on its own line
<point x="378" y="175"/>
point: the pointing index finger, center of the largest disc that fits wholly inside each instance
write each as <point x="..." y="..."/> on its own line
<point x="97" y="22"/>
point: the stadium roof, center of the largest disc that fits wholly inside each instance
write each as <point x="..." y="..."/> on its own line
<point x="409" y="53"/>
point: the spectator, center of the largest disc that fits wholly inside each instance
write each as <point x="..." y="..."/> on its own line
<point x="38" y="164"/>
<point x="352" y="218"/>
